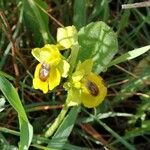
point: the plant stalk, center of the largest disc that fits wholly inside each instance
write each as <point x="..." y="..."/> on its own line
<point x="57" y="122"/>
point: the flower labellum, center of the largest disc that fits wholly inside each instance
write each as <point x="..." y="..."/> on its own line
<point x="93" y="91"/>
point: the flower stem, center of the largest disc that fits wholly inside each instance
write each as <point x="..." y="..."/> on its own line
<point x="73" y="57"/>
<point x="57" y="122"/>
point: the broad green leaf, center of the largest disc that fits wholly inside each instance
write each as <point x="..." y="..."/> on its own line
<point x="25" y="127"/>
<point x="64" y="129"/>
<point x="99" y="42"/>
<point x="130" y="55"/>
<point x="36" y="20"/>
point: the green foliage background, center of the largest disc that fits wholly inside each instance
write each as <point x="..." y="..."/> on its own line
<point x="122" y="121"/>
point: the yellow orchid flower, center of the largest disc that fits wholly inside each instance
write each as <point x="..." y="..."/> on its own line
<point x="66" y="37"/>
<point x="93" y="91"/>
<point x="51" y="68"/>
<point x="85" y="87"/>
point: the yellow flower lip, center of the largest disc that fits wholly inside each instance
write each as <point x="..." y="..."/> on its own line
<point x="93" y="91"/>
<point x="47" y="77"/>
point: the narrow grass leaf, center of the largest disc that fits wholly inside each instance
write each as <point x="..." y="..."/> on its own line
<point x="79" y="18"/>
<point x="117" y="136"/>
<point x="37" y="139"/>
<point x="4" y="145"/>
<point x="145" y="129"/>
<point x="130" y="88"/>
<point x="100" y="10"/>
<point x="124" y="21"/>
<point x="130" y="55"/>
<point x="37" y="21"/>
<point x="26" y="129"/>
<point x="67" y="146"/>
<point x="15" y="34"/>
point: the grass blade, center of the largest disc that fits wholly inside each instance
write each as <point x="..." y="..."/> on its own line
<point x="37" y="21"/>
<point x="79" y="18"/>
<point x="130" y="55"/>
<point x="11" y="95"/>
<point x="118" y="137"/>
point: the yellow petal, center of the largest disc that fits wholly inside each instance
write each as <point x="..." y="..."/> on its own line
<point x="49" y="54"/>
<point x="36" y="53"/>
<point x="89" y="100"/>
<point x="63" y="67"/>
<point x="37" y="70"/>
<point x="38" y="84"/>
<point x="85" y="67"/>
<point x="67" y="36"/>
<point x="54" y="78"/>
<point x="77" y="76"/>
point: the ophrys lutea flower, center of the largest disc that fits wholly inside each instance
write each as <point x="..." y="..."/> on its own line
<point x="52" y="66"/>
<point x="85" y="87"/>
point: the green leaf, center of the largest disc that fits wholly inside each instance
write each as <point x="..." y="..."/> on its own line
<point x="124" y="21"/>
<point x="99" y="42"/>
<point x="101" y="10"/>
<point x="130" y="55"/>
<point x="79" y="18"/>
<point x="37" y="21"/>
<point x="129" y="89"/>
<point x="4" y="145"/>
<point x="136" y="132"/>
<point x="64" y="129"/>
<point x="11" y="95"/>
<point x="26" y="133"/>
